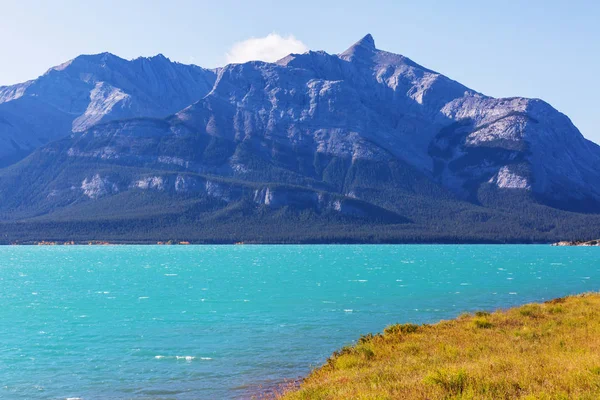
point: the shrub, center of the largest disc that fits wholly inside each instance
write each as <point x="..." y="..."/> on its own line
<point x="401" y="329"/>
<point x="555" y="310"/>
<point x="363" y="339"/>
<point x="482" y="323"/>
<point x="366" y="352"/>
<point x="452" y="382"/>
<point x="411" y="348"/>
<point x="531" y="310"/>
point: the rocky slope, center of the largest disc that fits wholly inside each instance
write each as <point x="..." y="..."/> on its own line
<point x="363" y="134"/>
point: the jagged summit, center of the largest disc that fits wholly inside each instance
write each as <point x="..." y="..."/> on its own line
<point x="158" y="57"/>
<point x="367" y="41"/>
<point x="84" y="60"/>
<point x="364" y="48"/>
<point x="104" y="56"/>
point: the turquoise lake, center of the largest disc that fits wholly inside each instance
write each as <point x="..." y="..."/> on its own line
<point x="218" y="322"/>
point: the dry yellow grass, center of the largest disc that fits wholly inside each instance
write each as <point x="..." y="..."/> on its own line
<point x="537" y="351"/>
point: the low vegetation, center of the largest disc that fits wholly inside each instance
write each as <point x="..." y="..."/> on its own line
<point x="537" y="351"/>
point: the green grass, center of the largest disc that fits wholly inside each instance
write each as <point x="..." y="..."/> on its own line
<point x="537" y="351"/>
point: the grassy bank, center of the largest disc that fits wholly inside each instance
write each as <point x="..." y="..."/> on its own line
<point x="537" y="351"/>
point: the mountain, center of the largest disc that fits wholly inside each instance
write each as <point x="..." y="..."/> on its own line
<point x="361" y="146"/>
<point x="90" y="89"/>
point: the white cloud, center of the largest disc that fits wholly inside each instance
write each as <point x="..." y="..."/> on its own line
<point x="269" y="48"/>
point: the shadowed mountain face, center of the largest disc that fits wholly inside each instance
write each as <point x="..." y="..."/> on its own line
<point x="364" y="139"/>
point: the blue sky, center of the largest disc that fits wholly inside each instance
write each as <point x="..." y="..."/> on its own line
<point x="547" y="49"/>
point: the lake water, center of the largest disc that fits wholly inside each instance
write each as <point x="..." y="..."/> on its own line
<point x="216" y="322"/>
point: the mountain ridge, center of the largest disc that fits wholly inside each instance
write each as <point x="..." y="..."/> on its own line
<point x="333" y="140"/>
<point x="89" y="89"/>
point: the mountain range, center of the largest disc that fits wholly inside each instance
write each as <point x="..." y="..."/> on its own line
<point x="361" y="146"/>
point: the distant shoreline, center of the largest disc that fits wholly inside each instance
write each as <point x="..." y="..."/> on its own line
<point x="577" y="243"/>
<point x="224" y="243"/>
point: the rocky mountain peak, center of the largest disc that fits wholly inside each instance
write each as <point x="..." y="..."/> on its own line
<point x="364" y="48"/>
<point x="367" y="42"/>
